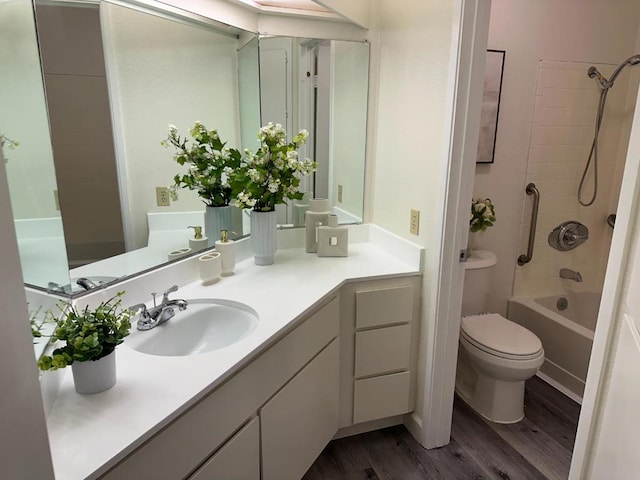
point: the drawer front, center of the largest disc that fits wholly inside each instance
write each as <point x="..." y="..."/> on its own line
<point x="186" y="442"/>
<point x="238" y="459"/>
<point x="380" y="397"/>
<point x="383" y="350"/>
<point x="376" y="308"/>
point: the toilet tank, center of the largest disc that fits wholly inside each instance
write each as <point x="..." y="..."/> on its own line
<point x="477" y="282"/>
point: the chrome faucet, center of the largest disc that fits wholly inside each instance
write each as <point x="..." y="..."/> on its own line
<point x="152" y="317"/>
<point x="570" y="274"/>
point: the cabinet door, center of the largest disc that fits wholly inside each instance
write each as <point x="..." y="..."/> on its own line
<point x="238" y="459"/>
<point x="299" y="421"/>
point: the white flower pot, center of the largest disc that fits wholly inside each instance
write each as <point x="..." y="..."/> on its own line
<point x="216" y="219"/>
<point x="263" y="237"/>
<point x="95" y="376"/>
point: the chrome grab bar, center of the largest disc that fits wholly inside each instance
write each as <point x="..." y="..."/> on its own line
<point x="531" y="190"/>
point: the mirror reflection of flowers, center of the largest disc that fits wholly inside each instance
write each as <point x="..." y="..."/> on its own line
<point x="210" y="164"/>
<point x="11" y="144"/>
<point x="483" y="214"/>
<point x="271" y="175"/>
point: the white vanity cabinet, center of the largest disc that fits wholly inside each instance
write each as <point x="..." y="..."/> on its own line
<point x="209" y="437"/>
<point x="379" y="349"/>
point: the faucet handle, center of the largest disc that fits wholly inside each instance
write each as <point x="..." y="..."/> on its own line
<point x="140" y="306"/>
<point x="165" y="295"/>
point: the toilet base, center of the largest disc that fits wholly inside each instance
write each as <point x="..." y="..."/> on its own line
<point x="495" y="400"/>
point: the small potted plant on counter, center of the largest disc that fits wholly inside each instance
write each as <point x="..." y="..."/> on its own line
<point x="90" y="336"/>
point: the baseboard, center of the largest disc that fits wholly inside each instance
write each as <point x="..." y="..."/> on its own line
<point x="368" y="426"/>
<point x="561" y="388"/>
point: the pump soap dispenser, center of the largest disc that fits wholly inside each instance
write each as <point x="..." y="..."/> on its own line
<point x="198" y="242"/>
<point x="227" y="249"/>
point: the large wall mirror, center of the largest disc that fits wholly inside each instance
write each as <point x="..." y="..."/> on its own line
<point x="83" y="178"/>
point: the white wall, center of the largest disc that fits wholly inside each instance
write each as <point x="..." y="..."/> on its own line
<point x="410" y="126"/>
<point x="23" y="115"/>
<point x="167" y="73"/>
<point x="589" y="31"/>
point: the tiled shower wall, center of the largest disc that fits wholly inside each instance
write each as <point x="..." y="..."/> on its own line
<point x="561" y="137"/>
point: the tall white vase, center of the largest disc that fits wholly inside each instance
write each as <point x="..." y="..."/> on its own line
<point x="95" y="376"/>
<point x="263" y="237"/>
<point x="216" y="219"/>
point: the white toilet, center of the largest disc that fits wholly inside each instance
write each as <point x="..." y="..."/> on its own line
<point x="496" y="355"/>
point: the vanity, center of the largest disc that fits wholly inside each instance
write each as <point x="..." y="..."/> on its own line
<point x="334" y="352"/>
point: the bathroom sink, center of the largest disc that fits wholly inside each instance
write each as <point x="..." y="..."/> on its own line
<point x="206" y="325"/>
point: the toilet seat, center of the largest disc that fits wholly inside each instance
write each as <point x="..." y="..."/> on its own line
<point x="495" y="335"/>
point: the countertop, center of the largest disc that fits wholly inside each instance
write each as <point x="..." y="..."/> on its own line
<point x="91" y="433"/>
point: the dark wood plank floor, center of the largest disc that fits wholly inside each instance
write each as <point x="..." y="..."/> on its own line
<point x="537" y="448"/>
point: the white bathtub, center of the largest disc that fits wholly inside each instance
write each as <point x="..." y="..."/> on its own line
<point x="566" y="335"/>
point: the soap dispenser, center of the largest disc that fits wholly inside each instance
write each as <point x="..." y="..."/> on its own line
<point x="333" y="240"/>
<point x="227" y="249"/>
<point x="315" y="217"/>
<point x="198" y="242"/>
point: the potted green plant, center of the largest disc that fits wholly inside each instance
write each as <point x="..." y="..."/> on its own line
<point x="267" y="178"/>
<point x="210" y="165"/>
<point x="91" y="336"/>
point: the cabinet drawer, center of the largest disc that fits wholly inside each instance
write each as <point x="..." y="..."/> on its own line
<point x="238" y="459"/>
<point x="376" y="308"/>
<point x="380" y="397"/>
<point x="383" y="350"/>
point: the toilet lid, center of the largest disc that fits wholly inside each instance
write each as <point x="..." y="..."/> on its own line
<point x="503" y="336"/>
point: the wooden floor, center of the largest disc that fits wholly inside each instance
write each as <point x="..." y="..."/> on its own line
<point x="538" y="447"/>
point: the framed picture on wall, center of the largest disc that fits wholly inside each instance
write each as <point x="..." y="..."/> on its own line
<point x="490" y="105"/>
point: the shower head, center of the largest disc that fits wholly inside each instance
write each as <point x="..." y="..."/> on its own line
<point x="635" y="60"/>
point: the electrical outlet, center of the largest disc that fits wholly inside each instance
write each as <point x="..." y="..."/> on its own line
<point x="162" y="197"/>
<point x="414" y="224"/>
<point x="340" y="190"/>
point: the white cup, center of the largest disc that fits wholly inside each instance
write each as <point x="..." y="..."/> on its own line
<point x="210" y="267"/>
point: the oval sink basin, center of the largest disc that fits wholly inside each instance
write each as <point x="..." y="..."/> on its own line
<point x="206" y="325"/>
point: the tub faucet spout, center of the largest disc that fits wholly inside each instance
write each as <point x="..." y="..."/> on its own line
<point x="570" y="274"/>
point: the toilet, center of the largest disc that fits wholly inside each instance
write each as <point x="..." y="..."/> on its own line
<point x="495" y="355"/>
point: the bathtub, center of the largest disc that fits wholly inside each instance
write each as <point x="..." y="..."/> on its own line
<point x="565" y="325"/>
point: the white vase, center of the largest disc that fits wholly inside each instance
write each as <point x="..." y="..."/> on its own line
<point x="216" y="219"/>
<point x="263" y="237"/>
<point x="95" y="376"/>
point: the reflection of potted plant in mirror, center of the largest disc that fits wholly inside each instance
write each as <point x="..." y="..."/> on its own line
<point x="90" y="336"/>
<point x="210" y="165"/>
<point x="11" y="144"/>
<point x="268" y="178"/>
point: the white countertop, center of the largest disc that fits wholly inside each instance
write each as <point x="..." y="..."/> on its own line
<point x="91" y="433"/>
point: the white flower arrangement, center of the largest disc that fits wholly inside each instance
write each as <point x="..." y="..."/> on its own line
<point x="483" y="214"/>
<point x="271" y="174"/>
